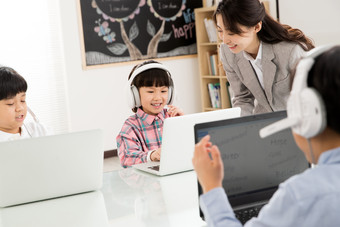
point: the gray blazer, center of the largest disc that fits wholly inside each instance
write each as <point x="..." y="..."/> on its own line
<point x="277" y="62"/>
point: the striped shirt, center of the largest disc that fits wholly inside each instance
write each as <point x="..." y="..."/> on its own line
<point x="140" y="134"/>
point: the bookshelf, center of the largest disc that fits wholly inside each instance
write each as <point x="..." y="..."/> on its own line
<point x="206" y="48"/>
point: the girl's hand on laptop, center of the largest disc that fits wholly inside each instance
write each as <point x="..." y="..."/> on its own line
<point x="156" y="155"/>
<point x="209" y="167"/>
<point x="174" y="111"/>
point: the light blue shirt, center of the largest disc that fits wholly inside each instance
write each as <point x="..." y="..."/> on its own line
<point x="311" y="198"/>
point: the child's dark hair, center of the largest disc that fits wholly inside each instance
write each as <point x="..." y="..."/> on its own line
<point x="249" y="13"/>
<point x="152" y="77"/>
<point x="324" y="76"/>
<point x="11" y="83"/>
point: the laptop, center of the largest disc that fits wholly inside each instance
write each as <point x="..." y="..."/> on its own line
<point x="81" y="210"/>
<point x="51" y="166"/>
<point x="178" y="141"/>
<point x="253" y="167"/>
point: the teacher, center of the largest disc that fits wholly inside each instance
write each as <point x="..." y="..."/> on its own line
<point x="258" y="54"/>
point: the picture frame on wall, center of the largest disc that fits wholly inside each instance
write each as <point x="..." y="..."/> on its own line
<point x="121" y="31"/>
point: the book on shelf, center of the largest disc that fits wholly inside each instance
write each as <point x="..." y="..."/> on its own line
<point x="212" y="62"/>
<point x="211" y="30"/>
<point x="215" y="94"/>
<point x="230" y="93"/>
<point x="221" y="71"/>
<point x="215" y="64"/>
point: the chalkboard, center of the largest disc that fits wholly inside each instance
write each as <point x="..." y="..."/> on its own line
<point x="130" y="30"/>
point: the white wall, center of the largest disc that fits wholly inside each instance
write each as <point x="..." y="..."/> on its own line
<point x="96" y="97"/>
<point x="319" y="20"/>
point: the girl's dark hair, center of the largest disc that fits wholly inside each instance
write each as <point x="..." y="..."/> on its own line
<point x="324" y="76"/>
<point x="11" y="83"/>
<point x="151" y="77"/>
<point x="249" y="13"/>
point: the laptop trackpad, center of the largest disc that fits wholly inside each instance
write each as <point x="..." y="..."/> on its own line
<point x="156" y="168"/>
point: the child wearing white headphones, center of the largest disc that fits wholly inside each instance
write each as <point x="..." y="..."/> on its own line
<point x="13" y="108"/>
<point x="311" y="198"/>
<point x="150" y="95"/>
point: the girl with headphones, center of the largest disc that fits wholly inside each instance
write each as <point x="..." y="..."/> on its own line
<point x="311" y="198"/>
<point x="257" y="54"/>
<point x="13" y="108"/>
<point x="150" y="95"/>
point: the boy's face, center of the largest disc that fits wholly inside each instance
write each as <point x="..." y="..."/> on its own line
<point x="153" y="99"/>
<point x="13" y="113"/>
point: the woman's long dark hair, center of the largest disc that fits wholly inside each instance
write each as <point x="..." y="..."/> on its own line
<point x="249" y="13"/>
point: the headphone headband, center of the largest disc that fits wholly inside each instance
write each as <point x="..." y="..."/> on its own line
<point x="305" y="65"/>
<point x="147" y="67"/>
<point x="305" y="108"/>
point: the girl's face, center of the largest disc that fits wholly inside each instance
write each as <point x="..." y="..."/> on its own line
<point x="13" y="113"/>
<point x="246" y="41"/>
<point x="153" y="99"/>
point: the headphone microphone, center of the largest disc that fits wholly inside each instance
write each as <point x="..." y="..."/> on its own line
<point x="34" y="118"/>
<point x="33" y="115"/>
<point x="278" y="126"/>
<point x="306" y="113"/>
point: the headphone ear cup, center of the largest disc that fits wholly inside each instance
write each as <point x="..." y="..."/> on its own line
<point x="170" y="95"/>
<point x="135" y="94"/>
<point x="129" y="97"/>
<point x="171" y="92"/>
<point x="313" y="115"/>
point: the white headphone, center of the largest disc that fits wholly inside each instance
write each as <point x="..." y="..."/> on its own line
<point x="132" y="91"/>
<point x="306" y="113"/>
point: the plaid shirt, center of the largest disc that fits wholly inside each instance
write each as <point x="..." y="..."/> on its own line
<point x="140" y="134"/>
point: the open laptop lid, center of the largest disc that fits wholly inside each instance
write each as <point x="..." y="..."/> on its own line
<point x="178" y="141"/>
<point x="253" y="167"/>
<point x="50" y="166"/>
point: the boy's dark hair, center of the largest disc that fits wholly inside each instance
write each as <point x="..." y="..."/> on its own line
<point x="11" y="83"/>
<point x="152" y="77"/>
<point x="324" y="76"/>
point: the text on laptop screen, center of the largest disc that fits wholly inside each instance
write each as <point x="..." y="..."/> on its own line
<point x="250" y="163"/>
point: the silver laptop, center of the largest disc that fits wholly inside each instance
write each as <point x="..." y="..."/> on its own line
<point x="81" y="210"/>
<point x="178" y="141"/>
<point x="51" y="166"/>
<point x="253" y="167"/>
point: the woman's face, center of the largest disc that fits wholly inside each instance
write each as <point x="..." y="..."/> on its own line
<point x="246" y="41"/>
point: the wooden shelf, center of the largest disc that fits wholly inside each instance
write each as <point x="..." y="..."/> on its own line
<point x="204" y="49"/>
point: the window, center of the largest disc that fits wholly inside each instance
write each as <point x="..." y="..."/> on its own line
<point x="31" y="43"/>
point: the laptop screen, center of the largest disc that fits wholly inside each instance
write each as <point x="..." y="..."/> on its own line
<point x="253" y="167"/>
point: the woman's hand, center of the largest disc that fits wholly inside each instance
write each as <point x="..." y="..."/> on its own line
<point x="174" y="111"/>
<point x="208" y="164"/>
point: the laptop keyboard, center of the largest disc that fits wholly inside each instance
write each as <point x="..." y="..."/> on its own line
<point x="156" y="168"/>
<point x="246" y="214"/>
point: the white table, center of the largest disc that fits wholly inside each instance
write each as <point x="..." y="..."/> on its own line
<point x="128" y="198"/>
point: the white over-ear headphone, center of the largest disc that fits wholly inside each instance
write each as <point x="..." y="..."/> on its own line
<point x="306" y="113"/>
<point x="132" y="91"/>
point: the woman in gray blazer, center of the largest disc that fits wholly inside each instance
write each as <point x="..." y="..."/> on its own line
<point x="258" y="54"/>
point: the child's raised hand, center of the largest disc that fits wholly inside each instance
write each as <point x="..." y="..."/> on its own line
<point x="174" y="111"/>
<point x="156" y="155"/>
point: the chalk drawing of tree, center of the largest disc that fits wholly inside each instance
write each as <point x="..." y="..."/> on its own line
<point x="165" y="11"/>
<point x="123" y="10"/>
